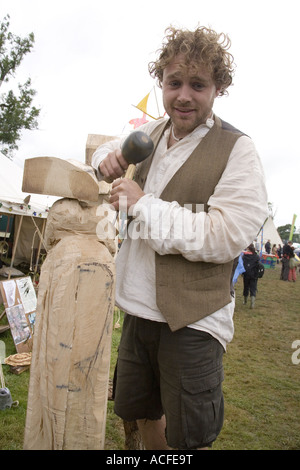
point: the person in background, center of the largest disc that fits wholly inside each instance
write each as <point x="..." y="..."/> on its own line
<point x="193" y="212"/>
<point x="279" y="253"/>
<point x="293" y="263"/>
<point x="274" y="252"/>
<point x="268" y="247"/>
<point x="287" y="253"/>
<point x="250" y="260"/>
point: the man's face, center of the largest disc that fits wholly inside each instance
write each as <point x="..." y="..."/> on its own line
<point x="188" y="95"/>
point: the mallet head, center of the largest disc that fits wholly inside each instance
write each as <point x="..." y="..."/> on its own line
<point x="137" y="147"/>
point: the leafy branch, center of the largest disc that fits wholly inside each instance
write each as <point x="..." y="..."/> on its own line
<point x="16" y="110"/>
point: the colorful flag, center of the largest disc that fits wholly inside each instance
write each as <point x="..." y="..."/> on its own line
<point x="137" y="122"/>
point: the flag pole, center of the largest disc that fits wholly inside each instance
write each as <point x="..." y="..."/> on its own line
<point x="292" y="227"/>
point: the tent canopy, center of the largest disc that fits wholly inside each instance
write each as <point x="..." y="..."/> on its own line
<point x="14" y="204"/>
<point x="269" y="232"/>
<point x="11" y="194"/>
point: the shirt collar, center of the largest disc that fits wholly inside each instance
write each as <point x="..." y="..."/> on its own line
<point x="199" y="131"/>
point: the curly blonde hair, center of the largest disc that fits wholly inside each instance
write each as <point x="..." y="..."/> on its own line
<point x="200" y="47"/>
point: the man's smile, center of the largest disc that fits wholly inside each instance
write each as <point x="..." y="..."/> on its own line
<point x="183" y="111"/>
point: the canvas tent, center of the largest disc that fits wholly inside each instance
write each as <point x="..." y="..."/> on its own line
<point x="28" y="214"/>
<point x="269" y="232"/>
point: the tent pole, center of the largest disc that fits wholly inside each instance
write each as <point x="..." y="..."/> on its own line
<point x="40" y="245"/>
<point x="15" y="245"/>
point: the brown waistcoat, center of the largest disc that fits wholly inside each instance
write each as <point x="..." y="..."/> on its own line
<point x="188" y="291"/>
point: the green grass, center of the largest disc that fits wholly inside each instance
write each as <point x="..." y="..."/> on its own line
<point x="261" y="387"/>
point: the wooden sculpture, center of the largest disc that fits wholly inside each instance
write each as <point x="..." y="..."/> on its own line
<point x="68" y="388"/>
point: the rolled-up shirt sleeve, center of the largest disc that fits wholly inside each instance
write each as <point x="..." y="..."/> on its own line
<point x="101" y="152"/>
<point x="236" y="211"/>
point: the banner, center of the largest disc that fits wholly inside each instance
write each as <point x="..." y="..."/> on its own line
<point x="292" y="227"/>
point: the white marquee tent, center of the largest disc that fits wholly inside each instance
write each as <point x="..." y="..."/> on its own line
<point x="28" y="211"/>
<point x="269" y="232"/>
<point x="12" y="196"/>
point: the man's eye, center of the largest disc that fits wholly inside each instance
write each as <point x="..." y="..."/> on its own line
<point x="174" y="83"/>
<point x="198" y="86"/>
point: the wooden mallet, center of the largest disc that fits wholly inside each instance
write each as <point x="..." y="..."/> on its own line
<point x="136" y="148"/>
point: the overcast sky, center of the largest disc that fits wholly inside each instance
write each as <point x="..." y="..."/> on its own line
<point x="90" y="65"/>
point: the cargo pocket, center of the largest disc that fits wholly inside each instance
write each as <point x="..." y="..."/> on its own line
<point x="202" y="409"/>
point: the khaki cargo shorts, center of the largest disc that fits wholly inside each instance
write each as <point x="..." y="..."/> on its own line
<point x="178" y="374"/>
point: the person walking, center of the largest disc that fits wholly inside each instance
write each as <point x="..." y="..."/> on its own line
<point x="250" y="260"/>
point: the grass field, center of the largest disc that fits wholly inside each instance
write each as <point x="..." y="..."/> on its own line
<point x="262" y="377"/>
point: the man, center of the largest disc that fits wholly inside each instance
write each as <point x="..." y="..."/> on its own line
<point x="193" y="212"/>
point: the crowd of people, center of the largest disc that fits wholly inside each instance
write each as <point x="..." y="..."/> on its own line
<point x="289" y="263"/>
<point x="285" y="255"/>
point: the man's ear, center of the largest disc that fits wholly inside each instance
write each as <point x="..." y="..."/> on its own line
<point x="218" y="91"/>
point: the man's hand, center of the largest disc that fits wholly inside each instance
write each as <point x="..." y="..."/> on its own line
<point x="113" y="166"/>
<point x="128" y="190"/>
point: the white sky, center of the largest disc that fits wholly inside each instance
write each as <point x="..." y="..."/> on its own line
<point x="90" y="65"/>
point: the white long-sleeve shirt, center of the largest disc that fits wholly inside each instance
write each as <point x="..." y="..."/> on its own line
<point x="237" y="209"/>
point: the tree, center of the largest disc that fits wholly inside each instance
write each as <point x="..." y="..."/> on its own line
<point x="284" y="232"/>
<point x="296" y="237"/>
<point x="16" y="110"/>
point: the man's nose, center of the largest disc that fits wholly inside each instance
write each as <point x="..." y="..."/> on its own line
<point x="184" y="94"/>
